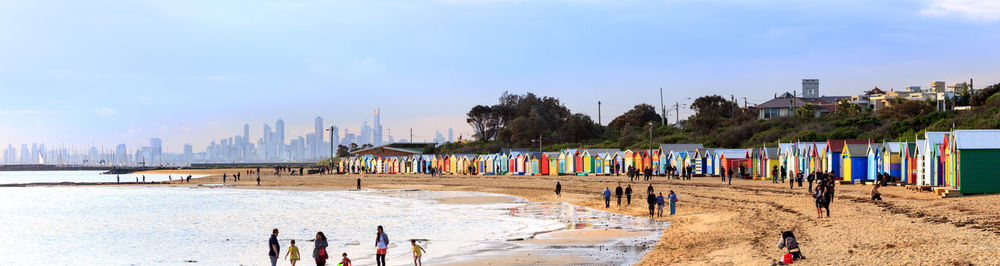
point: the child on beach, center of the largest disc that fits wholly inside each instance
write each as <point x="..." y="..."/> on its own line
<point x="294" y="251"/>
<point x="345" y="261"/>
<point x="417" y="252"/>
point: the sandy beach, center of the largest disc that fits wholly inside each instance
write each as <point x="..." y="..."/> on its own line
<point x="739" y="224"/>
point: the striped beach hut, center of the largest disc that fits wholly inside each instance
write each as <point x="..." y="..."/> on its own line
<point x="931" y="153"/>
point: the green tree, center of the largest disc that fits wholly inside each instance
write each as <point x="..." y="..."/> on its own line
<point x="485" y="121"/>
<point x="639" y="116"/>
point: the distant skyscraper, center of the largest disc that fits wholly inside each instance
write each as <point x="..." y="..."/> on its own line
<point x="266" y="143"/>
<point x="451" y="135"/>
<point x="25" y="154"/>
<point x="121" y="155"/>
<point x="377" y="134"/>
<point x="317" y="149"/>
<point x="156" y="146"/>
<point x="279" y="138"/>
<point x="335" y="137"/>
<point x="189" y="152"/>
<point x="366" y="134"/>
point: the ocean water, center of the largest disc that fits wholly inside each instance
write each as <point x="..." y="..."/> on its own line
<point x="25" y="177"/>
<point x="158" y="225"/>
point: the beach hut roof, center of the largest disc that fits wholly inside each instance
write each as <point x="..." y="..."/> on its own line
<point x="514" y="150"/>
<point x="857" y="150"/>
<point x="893" y="147"/>
<point x="680" y="147"/>
<point x="771" y="152"/>
<point x="837" y="145"/>
<point x="599" y="151"/>
<point x="874" y="147"/>
<point x="935" y="136"/>
<point x="733" y="153"/>
<point x="552" y="154"/>
<point x="919" y="147"/>
<point x="977" y="139"/>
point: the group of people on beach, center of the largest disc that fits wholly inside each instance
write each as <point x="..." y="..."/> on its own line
<point x="656" y="203"/>
<point x="823" y="192"/>
<point x="320" y="255"/>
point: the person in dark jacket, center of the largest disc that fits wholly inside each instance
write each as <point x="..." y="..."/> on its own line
<point x="651" y="200"/>
<point x="319" y="249"/>
<point x="628" y="194"/>
<point x="619" y="192"/>
<point x="607" y="197"/>
<point x="558" y="189"/>
<point x="788" y="241"/>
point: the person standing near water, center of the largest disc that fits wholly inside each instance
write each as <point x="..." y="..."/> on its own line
<point x="651" y="200"/>
<point x="672" y="198"/>
<point x="359" y="183"/>
<point x="618" y="193"/>
<point x="607" y="197"/>
<point x="223" y="178"/>
<point x="273" y="247"/>
<point x="558" y="189"/>
<point x="258" y="180"/>
<point x="628" y="194"/>
<point x="118" y="178"/>
<point x="294" y="252"/>
<point x="382" y="243"/>
<point x="659" y="205"/>
<point x="418" y="251"/>
<point x="144" y="178"/>
<point x="319" y="249"/>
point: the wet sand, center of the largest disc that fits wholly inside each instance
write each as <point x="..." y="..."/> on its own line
<point x="740" y="224"/>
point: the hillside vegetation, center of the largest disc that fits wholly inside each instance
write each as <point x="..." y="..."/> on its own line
<point x="521" y="121"/>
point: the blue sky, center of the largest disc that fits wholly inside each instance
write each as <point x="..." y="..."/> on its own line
<point x="109" y="72"/>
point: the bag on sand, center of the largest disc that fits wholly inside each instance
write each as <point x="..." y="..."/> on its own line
<point x="787" y="259"/>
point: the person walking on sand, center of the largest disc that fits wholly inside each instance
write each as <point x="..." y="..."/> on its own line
<point x="417" y="252"/>
<point x="258" y="181"/>
<point x="722" y="173"/>
<point x="798" y="178"/>
<point x="618" y="193"/>
<point x="649" y="190"/>
<point x="651" y="200"/>
<point x="359" y="183"/>
<point x="144" y="178"/>
<point x="672" y="198"/>
<point x="223" y="178"/>
<point x="558" y="189"/>
<point x="319" y="249"/>
<point x="294" y="251"/>
<point x="820" y="198"/>
<point x="273" y="247"/>
<point x="628" y="194"/>
<point x="875" y="194"/>
<point x="382" y="243"/>
<point x="810" y="178"/>
<point x="659" y="205"/>
<point x="607" y="197"/>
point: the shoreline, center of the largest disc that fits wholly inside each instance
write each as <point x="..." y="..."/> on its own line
<point x="740" y="224"/>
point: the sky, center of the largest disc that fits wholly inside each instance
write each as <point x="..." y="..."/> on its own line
<point x="76" y="73"/>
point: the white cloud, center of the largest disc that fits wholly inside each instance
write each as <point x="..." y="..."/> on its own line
<point x="106" y="111"/>
<point x="982" y="10"/>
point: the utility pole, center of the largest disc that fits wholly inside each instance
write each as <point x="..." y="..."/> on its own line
<point x="744" y="103"/>
<point x="411" y="135"/>
<point x="732" y="112"/>
<point x="539" y="142"/>
<point x="599" y="112"/>
<point x="332" y="149"/>
<point x="663" y="110"/>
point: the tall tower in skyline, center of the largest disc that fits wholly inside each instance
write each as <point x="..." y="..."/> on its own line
<point x="318" y="145"/>
<point x="279" y="139"/>
<point x="377" y="126"/>
<point x="156" y="150"/>
<point x="265" y="143"/>
<point x="451" y="135"/>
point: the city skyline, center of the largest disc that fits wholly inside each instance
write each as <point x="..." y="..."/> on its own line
<point x="271" y="145"/>
<point x="76" y="73"/>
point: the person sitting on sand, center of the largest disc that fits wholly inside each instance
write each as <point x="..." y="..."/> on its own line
<point x="417" y="252"/>
<point x="607" y="197"/>
<point x="788" y="241"/>
<point x="875" y="194"/>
